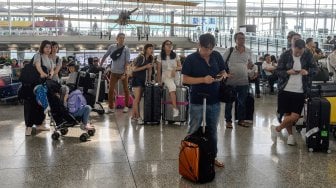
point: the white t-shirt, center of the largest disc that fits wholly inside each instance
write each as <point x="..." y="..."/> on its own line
<point x="46" y="61"/>
<point x="168" y="65"/>
<point x="267" y="65"/>
<point x="252" y="72"/>
<point x="294" y="83"/>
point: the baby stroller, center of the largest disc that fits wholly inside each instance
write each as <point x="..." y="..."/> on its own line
<point x="60" y="118"/>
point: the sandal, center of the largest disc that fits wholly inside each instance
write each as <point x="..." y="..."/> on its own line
<point x="243" y="124"/>
<point x="229" y="125"/>
<point x="219" y="164"/>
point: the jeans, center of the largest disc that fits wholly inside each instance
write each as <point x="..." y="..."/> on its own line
<point x="242" y="92"/>
<point x="84" y="113"/>
<point x="212" y="116"/>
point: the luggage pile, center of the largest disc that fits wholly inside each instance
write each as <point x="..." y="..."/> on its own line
<point x="8" y="88"/>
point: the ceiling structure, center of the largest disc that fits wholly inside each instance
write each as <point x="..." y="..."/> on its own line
<point x="163" y="14"/>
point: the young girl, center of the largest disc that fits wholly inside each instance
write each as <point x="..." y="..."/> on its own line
<point x="143" y="63"/>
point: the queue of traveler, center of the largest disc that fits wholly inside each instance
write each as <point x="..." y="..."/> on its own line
<point x="200" y="71"/>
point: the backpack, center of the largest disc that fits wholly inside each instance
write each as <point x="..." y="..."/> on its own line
<point x="76" y="101"/>
<point x="30" y="75"/>
<point x="132" y="66"/>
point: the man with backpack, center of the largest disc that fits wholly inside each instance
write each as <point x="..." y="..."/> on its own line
<point x="120" y="56"/>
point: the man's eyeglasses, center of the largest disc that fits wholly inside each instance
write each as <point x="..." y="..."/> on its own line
<point x="168" y="44"/>
<point x="95" y="60"/>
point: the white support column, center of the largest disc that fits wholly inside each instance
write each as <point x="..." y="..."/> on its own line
<point x="241" y="13"/>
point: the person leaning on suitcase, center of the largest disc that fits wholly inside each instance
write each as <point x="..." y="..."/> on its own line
<point x="120" y="56"/>
<point x="294" y="68"/>
<point x="199" y="70"/>
<point x="143" y="63"/>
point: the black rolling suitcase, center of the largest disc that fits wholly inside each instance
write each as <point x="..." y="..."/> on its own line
<point x="196" y="158"/>
<point x="152" y="101"/>
<point x="152" y="104"/>
<point x="318" y="124"/>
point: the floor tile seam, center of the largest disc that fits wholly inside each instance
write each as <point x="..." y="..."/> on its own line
<point x="154" y="160"/>
<point x="18" y="148"/>
<point x="123" y="143"/>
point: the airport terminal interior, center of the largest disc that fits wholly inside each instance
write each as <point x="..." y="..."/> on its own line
<point x="122" y="152"/>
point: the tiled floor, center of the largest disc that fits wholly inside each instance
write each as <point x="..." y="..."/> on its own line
<point x="122" y="154"/>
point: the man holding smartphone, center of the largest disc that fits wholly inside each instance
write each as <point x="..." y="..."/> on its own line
<point x="294" y="68"/>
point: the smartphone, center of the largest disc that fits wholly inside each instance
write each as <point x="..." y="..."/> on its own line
<point x="297" y="71"/>
<point x="218" y="77"/>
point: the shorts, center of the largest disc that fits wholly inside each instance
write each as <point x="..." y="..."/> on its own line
<point x="136" y="82"/>
<point x="169" y="83"/>
<point x="289" y="102"/>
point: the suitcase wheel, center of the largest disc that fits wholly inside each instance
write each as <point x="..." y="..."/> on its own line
<point x="328" y="151"/>
<point x="310" y="149"/>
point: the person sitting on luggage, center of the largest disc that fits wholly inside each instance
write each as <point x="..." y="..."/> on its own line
<point x="295" y="66"/>
<point x="253" y="75"/>
<point x="143" y="63"/>
<point x="199" y="70"/>
<point x="78" y="107"/>
<point x="268" y="69"/>
<point x="168" y="64"/>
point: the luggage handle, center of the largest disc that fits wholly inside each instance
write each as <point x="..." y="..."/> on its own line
<point x="204" y="95"/>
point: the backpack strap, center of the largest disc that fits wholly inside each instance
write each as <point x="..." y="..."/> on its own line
<point x="231" y="50"/>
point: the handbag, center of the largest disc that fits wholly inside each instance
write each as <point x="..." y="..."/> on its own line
<point x="322" y="74"/>
<point x="117" y="53"/>
<point x="227" y="93"/>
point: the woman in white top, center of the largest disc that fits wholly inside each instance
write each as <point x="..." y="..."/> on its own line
<point x="168" y="64"/>
<point x="56" y="60"/>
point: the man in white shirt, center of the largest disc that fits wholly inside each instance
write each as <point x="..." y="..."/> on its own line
<point x="295" y="66"/>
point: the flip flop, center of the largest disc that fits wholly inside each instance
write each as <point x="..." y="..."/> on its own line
<point x="219" y="164"/>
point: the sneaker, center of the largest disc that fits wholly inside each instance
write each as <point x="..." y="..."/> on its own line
<point x="134" y="119"/>
<point x="125" y="109"/>
<point x="28" y="131"/>
<point x="175" y="112"/>
<point x="140" y="121"/>
<point x="42" y="128"/>
<point x="111" y="110"/>
<point x="291" y="140"/>
<point x="274" y="133"/>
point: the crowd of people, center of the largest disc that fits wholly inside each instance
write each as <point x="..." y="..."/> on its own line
<point x="200" y="70"/>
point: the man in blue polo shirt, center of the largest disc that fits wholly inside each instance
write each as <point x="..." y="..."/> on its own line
<point x="199" y="70"/>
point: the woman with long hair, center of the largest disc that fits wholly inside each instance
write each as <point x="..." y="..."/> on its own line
<point x="168" y="64"/>
<point x="33" y="112"/>
<point x="56" y="60"/>
<point x="143" y="63"/>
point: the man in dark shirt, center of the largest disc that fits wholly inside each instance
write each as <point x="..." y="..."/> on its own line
<point x="199" y="71"/>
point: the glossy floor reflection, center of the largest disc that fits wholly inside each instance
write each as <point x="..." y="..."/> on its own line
<point x="122" y="154"/>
